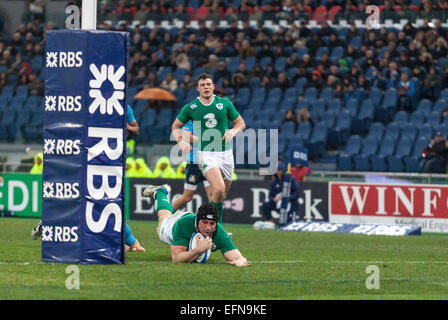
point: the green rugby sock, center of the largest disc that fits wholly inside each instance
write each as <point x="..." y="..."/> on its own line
<point x="162" y="202"/>
<point x="219" y="207"/>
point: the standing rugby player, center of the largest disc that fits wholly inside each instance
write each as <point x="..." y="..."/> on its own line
<point x="211" y="115"/>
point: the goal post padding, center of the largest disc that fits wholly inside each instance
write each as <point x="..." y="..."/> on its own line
<point x="83" y="196"/>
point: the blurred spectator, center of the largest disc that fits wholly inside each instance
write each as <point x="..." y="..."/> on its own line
<point x="183" y="62"/>
<point x="246" y="50"/>
<point x="222" y="72"/>
<point x="38" y="164"/>
<point x="37" y="9"/>
<point x="304" y="116"/>
<point x="141" y="169"/>
<point x="406" y="93"/>
<point x="187" y="83"/>
<point x="213" y="63"/>
<point x="169" y="83"/>
<point x="316" y="80"/>
<point x="4" y="80"/>
<point x="163" y="169"/>
<point x="282" y="81"/>
<point x="291" y="116"/>
<point x="433" y="158"/>
<point x="431" y="85"/>
<point x="35" y="85"/>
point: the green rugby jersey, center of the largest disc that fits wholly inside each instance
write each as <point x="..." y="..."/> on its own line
<point x="210" y="122"/>
<point x="184" y="229"/>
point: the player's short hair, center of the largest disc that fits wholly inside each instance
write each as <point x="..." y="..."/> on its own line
<point x="207" y="211"/>
<point x="204" y="76"/>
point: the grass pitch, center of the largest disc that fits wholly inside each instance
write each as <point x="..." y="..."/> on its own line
<point x="285" y="266"/>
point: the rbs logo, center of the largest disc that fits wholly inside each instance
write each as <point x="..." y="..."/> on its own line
<point x="60" y="190"/>
<point x="62" y="147"/>
<point x="59" y="234"/>
<point x="63" y="103"/>
<point x="63" y="59"/>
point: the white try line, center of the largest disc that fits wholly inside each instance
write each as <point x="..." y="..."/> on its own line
<point x="263" y="262"/>
<point x="345" y="262"/>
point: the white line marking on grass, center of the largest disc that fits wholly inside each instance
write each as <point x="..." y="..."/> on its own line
<point x="346" y="262"/>
<point x="21" y="263"/>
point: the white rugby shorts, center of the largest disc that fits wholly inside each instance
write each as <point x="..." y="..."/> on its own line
<point x="166" y="227"/>
<point x="221" y="160"/>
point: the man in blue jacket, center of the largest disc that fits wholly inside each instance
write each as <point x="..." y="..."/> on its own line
<point x="275" y="194"/>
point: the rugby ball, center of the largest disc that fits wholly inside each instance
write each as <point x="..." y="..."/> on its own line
<point x="203" y="258"/>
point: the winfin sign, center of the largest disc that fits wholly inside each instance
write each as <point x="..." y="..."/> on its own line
<point x="422" y="205"/>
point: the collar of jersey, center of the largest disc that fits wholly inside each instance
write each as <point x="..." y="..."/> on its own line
<point x="206" y="105"/>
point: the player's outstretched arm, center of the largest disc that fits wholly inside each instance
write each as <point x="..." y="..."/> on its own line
<point x="235" y="258"/>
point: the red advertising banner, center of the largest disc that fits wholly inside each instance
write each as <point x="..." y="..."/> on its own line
<point x="424" y="205"/>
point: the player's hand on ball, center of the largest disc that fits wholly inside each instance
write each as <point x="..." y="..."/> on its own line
<point x="204" y="244"/>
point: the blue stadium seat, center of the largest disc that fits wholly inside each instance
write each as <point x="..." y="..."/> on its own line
<point x="352" y="105"/>
<point x="439" y="105"/>
<point x="401" y="118"/>
<point x="352" y="148"/>
<point x="412" y="161"/>
<point x="379" y="160"/>
<point x="304" y="130"/>
<point x="250" y="63"/>
<point x="393" y="130"/>
<point x="362" y="160"/>
<point x="288" y="129"/>
<point x="179" y="74"/>
<point x="376" y="95"/>
<point x="317" y="144"/>
<point x="336" y="54"/>
<point x="242" y="98"/>
<point x="310" y="93"/>
<point x="434" y="118"/>
<point x="410" y="131"/>
<point x="425" y="106"/>
<point x="417" y="118"/>
<point x="396" y="161"/>
<point x="326" y="93"/>
<point x="339" y="134"/>
<point x="265" y="61"/>
<point x="280" y="64"/>
<point x="363" y="121"/>
<point x="329" y="118"/>
<point x="377" y="130"/>
<point x="336" y="106"/>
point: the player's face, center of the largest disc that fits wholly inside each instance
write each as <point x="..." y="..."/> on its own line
<point x="205" y="88"/>
<point x="206" y="227"/>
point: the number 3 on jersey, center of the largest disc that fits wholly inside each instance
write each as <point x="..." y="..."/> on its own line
<point x="211" y="121"/>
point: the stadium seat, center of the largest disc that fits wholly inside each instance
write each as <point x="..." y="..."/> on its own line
<point x="326" y="93"/>
<point x="410" y="131"/>
<point x="395" y="162"/>
<point x="336" y="54"/>
<point x="392" y="131"/>
<point x="386" y="149"/>
<point x="434" y="118"/>
<point x="242" y="98"/>
<point x="304" y="130"/>
<point x="377" y="130"/>
<point x="336" y="106"/>
<point x="376" y="96"/>
<point x="425" y="106"/>
<point x="401" y="118"/>
<point x="352" y="148"/>
<point x="412" y="161"/>
<point x="417" y="118"/>
<point x="352" y="105"/>
<point x="339" y="134"/>
<point x="265" y="61"/>
<point x="250" y="62"/>
<point x="362" y="122"/>
<point x="317" y="143"/>
<point x="362" y="160"/>
<point x="280" y="64"/>
<point x="439" y="105"/>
